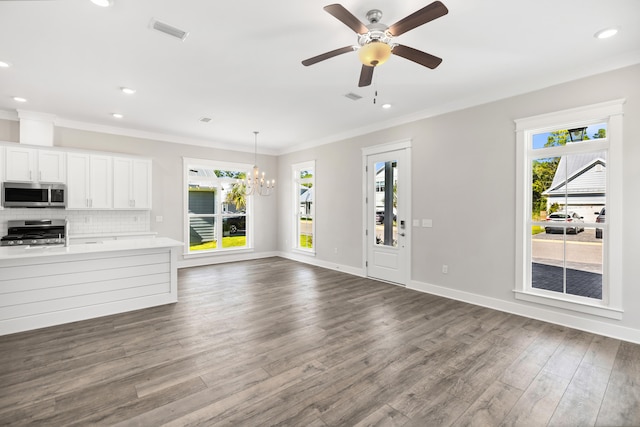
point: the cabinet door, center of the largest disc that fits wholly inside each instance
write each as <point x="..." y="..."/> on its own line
<point x="50" y="166"/>
<point x="78" y="183"/>
<point x="3" y="176"/>
<point x="122" y="183"/>
<point x="101" y="182"/>
<point x="20" y="164"/>
<point x="141" y="185"/>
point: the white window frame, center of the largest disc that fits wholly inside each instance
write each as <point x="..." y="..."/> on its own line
<point x="216" y="165"/>
<point x="607" y="112"/>
<point x="297" y="184"/>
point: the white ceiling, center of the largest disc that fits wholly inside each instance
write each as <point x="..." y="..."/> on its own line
<point x="240" y="64"/>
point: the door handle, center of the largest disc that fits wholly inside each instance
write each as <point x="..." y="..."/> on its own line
<point x="402" y="234"/>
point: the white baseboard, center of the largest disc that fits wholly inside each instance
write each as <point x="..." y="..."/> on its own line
<point x="220" y="259"/>
<point x="539" y="313"/>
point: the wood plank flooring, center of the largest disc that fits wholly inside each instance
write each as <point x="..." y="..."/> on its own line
<point x="275" y="342"/>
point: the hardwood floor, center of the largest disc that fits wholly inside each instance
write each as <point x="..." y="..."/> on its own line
<point x="275" y="342"/>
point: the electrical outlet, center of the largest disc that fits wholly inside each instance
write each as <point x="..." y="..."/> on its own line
<point x="445" y="269"/>
<point x="335" y="250"/>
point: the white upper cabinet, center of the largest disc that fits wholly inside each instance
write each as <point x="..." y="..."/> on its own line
<point x="51" y="166"/>
<point x="131" y="183"/>
<point x="2" y="165"/>
<point x="95" y="180"/>
<point x="89" y="183"/>
<point x="33" y="165"/>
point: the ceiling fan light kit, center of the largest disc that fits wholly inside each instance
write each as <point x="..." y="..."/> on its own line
<point x="376" y="39"/>
<point x="374" y="53"/>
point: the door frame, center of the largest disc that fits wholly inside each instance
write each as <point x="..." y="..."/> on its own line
<point x="379" y="149"/>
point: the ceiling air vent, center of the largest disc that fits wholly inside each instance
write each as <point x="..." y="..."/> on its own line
<point x="353" y="96"/>
<point x="168" y="29"/>
<point x="205" y="119"/>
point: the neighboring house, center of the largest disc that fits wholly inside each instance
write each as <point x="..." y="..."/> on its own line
<point x="306" y="199"/>
<point x="580" y="184"/>
<point x="380" y="183"/>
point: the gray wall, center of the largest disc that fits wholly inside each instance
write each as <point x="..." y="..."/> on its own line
<point x="464" y="163"/>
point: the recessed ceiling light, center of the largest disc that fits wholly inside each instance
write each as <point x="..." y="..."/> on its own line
<point x="4" y="64"/>
<point x="205" y="119"/>
<point x="386" y="106"/>
<point x="606" y="33"/>
<point x="102" y="3"/>
<point x="19" y="99"/>
<point x="117" y="116"/>
<point x="128" y="90"/>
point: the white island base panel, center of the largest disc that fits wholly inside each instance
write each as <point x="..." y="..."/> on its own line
<point x="43" y="287"/>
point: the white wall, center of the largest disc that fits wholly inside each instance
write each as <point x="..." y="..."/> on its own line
<point x="463" y="163"/>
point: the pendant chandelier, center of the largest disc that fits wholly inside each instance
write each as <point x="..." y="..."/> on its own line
<point x="256" y="184"/>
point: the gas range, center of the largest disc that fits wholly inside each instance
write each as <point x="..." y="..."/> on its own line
<point x="34" y="232"/>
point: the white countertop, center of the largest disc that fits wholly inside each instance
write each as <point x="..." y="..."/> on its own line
<point x="142" y="234"/>
<point x="16" y="252"/>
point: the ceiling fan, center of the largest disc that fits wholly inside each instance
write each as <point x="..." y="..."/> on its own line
<point x="375" y="41"/>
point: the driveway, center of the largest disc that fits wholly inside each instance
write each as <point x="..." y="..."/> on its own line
<point x="582" y="257"/>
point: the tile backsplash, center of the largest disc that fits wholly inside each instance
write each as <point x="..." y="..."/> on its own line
<point x="89" y="222"/>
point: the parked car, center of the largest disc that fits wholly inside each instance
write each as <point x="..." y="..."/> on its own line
<point x="599" y="219"/>
<point x="235" y="225"/>
<point x="380" y="216"/>
<point x="568" y="217"/>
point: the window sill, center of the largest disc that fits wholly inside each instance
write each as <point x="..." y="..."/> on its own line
<point x="188" y="255"/>
<point x="596" y="310"/>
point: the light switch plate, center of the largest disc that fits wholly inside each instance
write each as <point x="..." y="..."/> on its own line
<point x="416" y="223"/>
<point x="427" y="223"/>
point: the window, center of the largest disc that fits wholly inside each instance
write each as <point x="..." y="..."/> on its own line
<point x="304" y="207"/>
<point x="569" y="173"/>
<point x="218" y="213"/>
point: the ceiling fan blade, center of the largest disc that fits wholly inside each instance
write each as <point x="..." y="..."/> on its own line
<point x="417" y="56"/>
<point x="327" y="55"/>
<point x="346" y="17"/>
<point x="422" y="16"/>
<point x="366" y="75"/>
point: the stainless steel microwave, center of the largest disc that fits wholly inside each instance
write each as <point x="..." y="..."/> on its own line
<point x="34" y="195"/>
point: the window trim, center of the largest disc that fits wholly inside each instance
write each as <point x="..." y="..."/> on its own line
<point x="220" y="165"/>
<point x="612" y="113"/>
<point x="295" y="172"/>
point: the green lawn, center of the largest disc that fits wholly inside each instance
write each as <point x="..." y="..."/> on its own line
<point x="227" y="242"/>
<point x="536" y="229"/>
<point x="306" y="241"/>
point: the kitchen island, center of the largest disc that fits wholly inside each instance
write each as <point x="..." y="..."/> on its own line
<point x="50" y="285"/>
